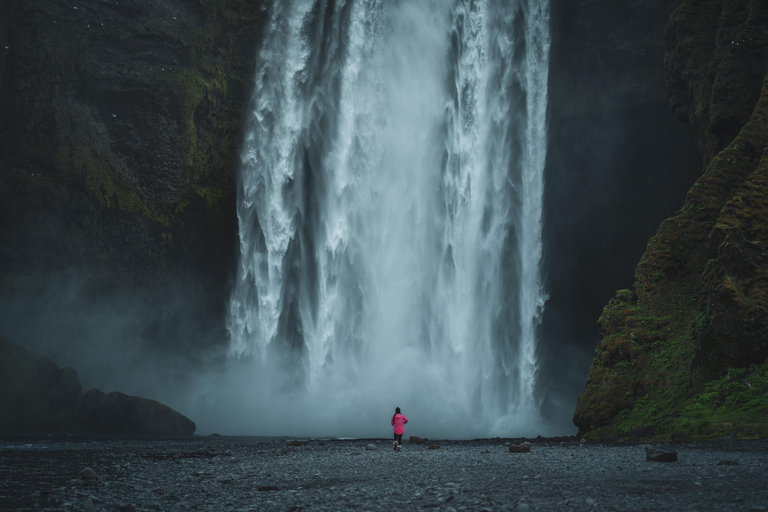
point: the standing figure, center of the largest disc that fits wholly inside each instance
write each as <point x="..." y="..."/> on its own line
<point x="398" y="420"/>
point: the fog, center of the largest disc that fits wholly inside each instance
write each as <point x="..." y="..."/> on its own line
<point x="112" y="342"/>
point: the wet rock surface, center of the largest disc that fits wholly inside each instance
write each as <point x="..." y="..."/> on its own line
<point x="230" y="473"/>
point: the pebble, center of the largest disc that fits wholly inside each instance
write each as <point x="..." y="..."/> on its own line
<point x="660" y="453"/>
<point x="88" y="474"/>
<point x="221" y="473"/>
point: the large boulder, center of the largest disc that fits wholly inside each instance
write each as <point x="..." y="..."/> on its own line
<point x="35" y="394"/>
<point x="38" y="396"/>
<point x="117" y="413"/>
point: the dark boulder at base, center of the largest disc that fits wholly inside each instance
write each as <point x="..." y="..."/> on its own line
<point x="660" y="453"/>
<point x="37" y="396"/>
<point x="118" y="413"/>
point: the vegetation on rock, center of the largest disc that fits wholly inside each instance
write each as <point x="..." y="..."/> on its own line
<point x="120" y="129"/>
<point x="685" y="350"/>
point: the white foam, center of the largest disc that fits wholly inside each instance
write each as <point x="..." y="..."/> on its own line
<point x="428" y="237"/>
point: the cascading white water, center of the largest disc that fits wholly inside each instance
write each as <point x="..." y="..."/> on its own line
<point x="391" y="215"/>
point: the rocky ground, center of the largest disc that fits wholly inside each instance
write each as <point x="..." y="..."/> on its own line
<point x="229" y="473"/>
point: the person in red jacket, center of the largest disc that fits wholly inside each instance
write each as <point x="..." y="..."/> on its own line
<point x="398" y="420"/>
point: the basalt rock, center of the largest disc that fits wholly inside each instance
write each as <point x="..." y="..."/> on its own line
<point x="607" y="55"/>
<point x="660" y="453"/>
<point x="117" y="413"/>
<point x="37" y="396"/>
<point x="612" y="137"/>
<point x="120" y="125"/>
<point x="676" y="348"/>
<point x="716" y="61"/>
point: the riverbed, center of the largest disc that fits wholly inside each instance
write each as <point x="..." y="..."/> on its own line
<point x="220" y="473"/>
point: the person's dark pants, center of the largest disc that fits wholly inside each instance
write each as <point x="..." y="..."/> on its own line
<point x="399" y="439"/>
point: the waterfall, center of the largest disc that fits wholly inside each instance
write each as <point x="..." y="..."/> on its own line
<point x="390" y="216"/>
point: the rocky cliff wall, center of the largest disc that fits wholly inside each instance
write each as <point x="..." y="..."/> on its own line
<point x="607" y="55"/>
<point x="685" y="349"/>
<point x="120" y="126"/>
<point x="618" y="163"/>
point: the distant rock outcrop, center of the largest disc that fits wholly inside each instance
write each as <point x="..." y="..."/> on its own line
<point x="117" y="413"/>
<point x="35" y="394"/>
<point x="38" y="396"/>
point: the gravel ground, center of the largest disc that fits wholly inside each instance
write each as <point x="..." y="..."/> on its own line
<point x="230" y="473"/>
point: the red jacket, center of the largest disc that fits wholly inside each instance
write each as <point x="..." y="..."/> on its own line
<point x="397" y="421"/>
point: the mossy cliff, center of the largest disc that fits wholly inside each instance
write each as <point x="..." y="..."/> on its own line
<point x="120" y="130"/>
<point x="685" y="349"/>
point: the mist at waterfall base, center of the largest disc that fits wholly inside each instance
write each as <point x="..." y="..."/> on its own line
<point x="593" y="240"/>
<point x="390" y="216"/>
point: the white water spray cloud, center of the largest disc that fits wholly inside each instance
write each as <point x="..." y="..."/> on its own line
<point x="390" y="219"/>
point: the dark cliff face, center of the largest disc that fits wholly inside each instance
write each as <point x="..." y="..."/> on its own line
<point x="618" y="163"/>
<point x="607" y="55"/>
<point x="120" y="131"/>
<point x="685" y="349"/>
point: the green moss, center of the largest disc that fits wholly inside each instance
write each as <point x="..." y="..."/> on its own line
<point x="211" y="92"/>
<point x="99" y="181"/>
<point x="192" y="88"/>
<point x="661" y="383"/>
<point x="737" y="402"/>
<point x="211" y="195"/>
<point x="681" y="346"/>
